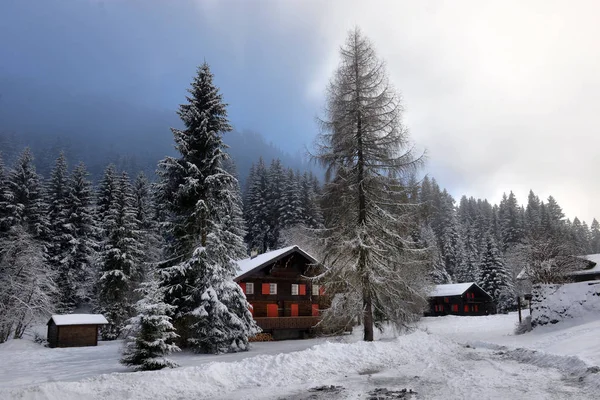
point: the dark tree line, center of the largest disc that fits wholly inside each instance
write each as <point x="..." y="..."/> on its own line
<point x="491" y="244"/>
<point x="278" y="199"/>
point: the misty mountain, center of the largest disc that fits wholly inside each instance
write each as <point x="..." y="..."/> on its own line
<point x="100" y="130"/>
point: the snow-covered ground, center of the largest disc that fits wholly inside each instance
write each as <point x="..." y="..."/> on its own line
<point x="446" y="358"/>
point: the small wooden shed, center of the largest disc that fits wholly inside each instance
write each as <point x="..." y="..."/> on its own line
<point x="74" y="330"/>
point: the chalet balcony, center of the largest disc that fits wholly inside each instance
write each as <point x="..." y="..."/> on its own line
<point x="273" y="323"/>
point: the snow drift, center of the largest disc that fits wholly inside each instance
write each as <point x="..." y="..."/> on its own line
<point x="552" y="304"/>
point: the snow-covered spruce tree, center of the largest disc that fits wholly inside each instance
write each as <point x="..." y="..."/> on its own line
<point x="27" y="206"/>
<point x="437" y="268"/>
<point x="290" y="212"/>
<point x="105" y="197"/>
<point x="310" y="209"/>
<point x="364" y="148"/>
<point x="275" y="200"/>
<point x="60" y="237"/>
<point x="4" y="199"/>
<point x="77" y="264"/>
<point x="120" y="256"/>
<point x="256" y="208"/>
<point x="145" y="213"/>
<point x="494" y="278"/>
<point x="151" y="333"/>
<point x="205" y="236"/>
<point x="595" y="236"/>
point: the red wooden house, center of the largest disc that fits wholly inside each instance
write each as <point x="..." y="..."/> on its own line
<point x="460" y="299"/>
<point x="285" y="303"/>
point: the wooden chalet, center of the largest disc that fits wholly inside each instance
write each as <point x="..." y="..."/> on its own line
<point x="460" y="299"/>
<point x="74" y="330"/>
<point x="285" y="303"/>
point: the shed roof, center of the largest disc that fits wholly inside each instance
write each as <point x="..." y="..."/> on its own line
<point x="452" y="289"/>
<point x="595" y="265"/>
<point x="79" y="319"/>
<point x="249" y="265"/>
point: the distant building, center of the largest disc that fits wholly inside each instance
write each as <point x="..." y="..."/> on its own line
<point x="591" y="272"/>
<point x="285" y="303"/>
<point x="74" y="330"/>
<point x="460" y="299"/>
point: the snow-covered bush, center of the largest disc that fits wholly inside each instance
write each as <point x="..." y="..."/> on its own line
<point x="151" y="332"/>
<point x="554" y="303"/>
<point x="523" y="326"/>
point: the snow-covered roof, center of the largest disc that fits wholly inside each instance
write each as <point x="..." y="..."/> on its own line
<point x="594" y="258"/>
<point x="451" y="289"/>
<point x="248" y="265"/>
<point x="79" y="319"/>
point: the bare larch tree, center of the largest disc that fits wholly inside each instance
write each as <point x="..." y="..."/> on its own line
<point x="373" y="271"/>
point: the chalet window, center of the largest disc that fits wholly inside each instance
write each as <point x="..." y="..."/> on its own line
<point x="476" y="307"/>
<point x="454" y="307"/>
<point x="315" y="290"/>
<point x="249" y="288"/>
<point x="265" y="288"/>
<point x="302" y="290"/>
<point x="294" y="289"/>
<point x="269" y="288"/>
<point x="446" y="300"/>
<point x="466" y="308"/>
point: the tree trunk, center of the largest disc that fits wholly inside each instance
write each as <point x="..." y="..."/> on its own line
<point x="362" y="210"/>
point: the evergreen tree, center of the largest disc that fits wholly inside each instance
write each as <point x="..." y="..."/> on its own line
<point x="203" y="205"/>
<point x="509" y="221"/>
<point x="275" y="201"/>
<point x="120" y="259"/>
<point x="27" y="206"/>
<point x="437" y="269"/>
<point x="291" y="212"/>
<point x="494" y="278"/>
<point x="106" y="192"/>
<point x="595" y="237"/>
<point x="60" y="235"/>
<point x="372" y="261"/>
<point x="145" y="214"/>
<point x="151" y="332"/>
<point x="81" y="228"/>
<point x="532" y="213"/>
<point x="309" y="208"/>
<point x="257" y="210"/>
<point x="4" y="199"/>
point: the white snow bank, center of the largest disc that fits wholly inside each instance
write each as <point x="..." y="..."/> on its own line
<point x="79" y="319"/>
<point x="554" y="303"/>
<point x="268" y="371"/>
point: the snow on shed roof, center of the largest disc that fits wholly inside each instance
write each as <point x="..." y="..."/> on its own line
<point x="451" y="289"/>
<point x="595" y="258"/>
<point x="248" y="265"/>
<point x="79" y="319"/>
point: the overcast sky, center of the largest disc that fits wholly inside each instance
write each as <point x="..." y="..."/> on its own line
<point x="504" y="95"/>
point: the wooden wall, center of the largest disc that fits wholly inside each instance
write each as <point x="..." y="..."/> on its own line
<point x="72" y="335"/>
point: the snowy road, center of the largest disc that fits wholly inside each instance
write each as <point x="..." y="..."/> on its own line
<point x="435" y="365"/>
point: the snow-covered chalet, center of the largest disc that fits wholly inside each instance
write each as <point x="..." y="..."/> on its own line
<point x="460" y="299"/>
<point x="285" y="303"/>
